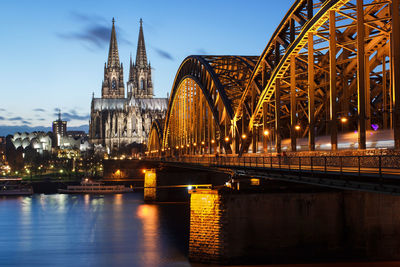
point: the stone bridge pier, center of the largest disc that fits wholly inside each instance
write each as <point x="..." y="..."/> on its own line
<point x="286" y="225"/>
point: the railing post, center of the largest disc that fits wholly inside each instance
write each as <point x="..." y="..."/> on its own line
<point x="270" y="158"/>
<point x="325" y="163"/>
<point x="311" y="165"/>
<point x="359" y="166"/>
<point x="279" y="159"/>
<point x="341" y="167"/>
<point x="380" y="166"/>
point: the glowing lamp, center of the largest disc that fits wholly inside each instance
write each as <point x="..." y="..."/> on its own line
<point x="202" y="142"/>
<point x="188" y="145"/>
<point x="177" y="147"/>
<point x="244" y="136"/>
<point x="227" y="139"/>
<point x="297" y="127"/>
<point x="266" y="132"/>
<point x="190" y="187"/>
<point x="343" y="119"/>
<point x="212" y="141"/>
<point x="194" y="144"/>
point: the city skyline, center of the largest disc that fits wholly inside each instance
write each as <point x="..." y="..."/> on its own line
<point x="56" y="52"/>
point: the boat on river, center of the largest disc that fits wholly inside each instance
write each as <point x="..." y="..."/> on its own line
<point x="14" y="187"/>
<point x="90" y="187"/>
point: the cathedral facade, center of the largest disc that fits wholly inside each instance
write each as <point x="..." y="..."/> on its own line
<point x="116" y="120"/>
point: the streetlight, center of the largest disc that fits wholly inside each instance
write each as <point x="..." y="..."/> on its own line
<point x="244" y="136"/>
<point x="266" y="132"/>
<point x="343" y="120"/>
<point x="227" y="139"/>
<point x="297" y="127"/>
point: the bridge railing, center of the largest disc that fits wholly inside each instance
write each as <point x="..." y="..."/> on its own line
<point x="367" y="164"/>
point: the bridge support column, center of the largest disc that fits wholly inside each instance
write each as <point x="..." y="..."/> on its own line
<point x="150" y="183"/>
<point x="395" y="42"/>
<point x="332" y="78"/>
<point x="278" y="116"/>
<point x="293" y="103"/>
<point x="311" y="93"/>
<point x="362" y="138"/>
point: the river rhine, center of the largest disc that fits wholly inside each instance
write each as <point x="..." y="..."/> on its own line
<point x="96" y="230"/>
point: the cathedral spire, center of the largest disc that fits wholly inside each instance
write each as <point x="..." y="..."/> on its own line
<point x="141" y="57"/>
<point x="113" y="57"/>
<point x="131" y="70"/>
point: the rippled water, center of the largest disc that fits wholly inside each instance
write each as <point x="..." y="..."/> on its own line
<point x="87" y="230"/>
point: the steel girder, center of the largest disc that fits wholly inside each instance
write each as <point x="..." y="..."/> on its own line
<point x="211" y="85"/>
<point x="155" y="137"/>
<point x="315" y="57"/>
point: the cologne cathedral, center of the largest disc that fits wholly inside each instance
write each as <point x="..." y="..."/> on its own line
<point x="116" y="120"/>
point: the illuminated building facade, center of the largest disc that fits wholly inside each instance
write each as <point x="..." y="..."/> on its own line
<point x="116" y="120"/>
<point x="59" y="130"/>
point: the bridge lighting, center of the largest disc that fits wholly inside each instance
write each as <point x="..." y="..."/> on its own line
<point x="182" y="146"/>
<point x="188" y="145"/>
<point x="190" y="187"/>
<point x="343" y="119"/>
<point x="177" y="147"/>
<point x="144" y="170"/>
<point x="202" y="142"/>
<point x="194" y="144"/>
<point x="162" y="150"/>
<point x="266" y="132"/>
<point x="297" y="127"/>
<point x="244" y="136"/>
<point x="227" y="139"/>
<point x="212" y="141"/>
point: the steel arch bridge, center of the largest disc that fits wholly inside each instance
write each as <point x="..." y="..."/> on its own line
<point x="330" y="67"/>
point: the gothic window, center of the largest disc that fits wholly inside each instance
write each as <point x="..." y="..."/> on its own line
<point x="114" y="84"/>
<point x="142" y="84"/>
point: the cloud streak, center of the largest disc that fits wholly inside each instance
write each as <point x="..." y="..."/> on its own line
<point x="72" y="115"/>
<point x="39" y="110"/>
<point x="164" y="54"/>
<point x="94" y="34"/>
<point x="16" y="119"/>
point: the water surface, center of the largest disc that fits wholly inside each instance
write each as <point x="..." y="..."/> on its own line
<point x="89" y="230"/>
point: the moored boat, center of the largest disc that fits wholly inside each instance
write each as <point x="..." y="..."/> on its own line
<point x="91" y="187"/>
<point x="14" y="187"/>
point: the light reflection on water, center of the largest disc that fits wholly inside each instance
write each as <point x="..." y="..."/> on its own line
<point x="91" y="230"/>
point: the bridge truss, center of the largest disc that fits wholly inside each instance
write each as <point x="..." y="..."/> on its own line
<point x="331" y="66"/>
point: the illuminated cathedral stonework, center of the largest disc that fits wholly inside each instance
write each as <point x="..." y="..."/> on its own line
<point x="116" y="120"/>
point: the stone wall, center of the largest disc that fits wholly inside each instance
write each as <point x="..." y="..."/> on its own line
<point x="230" y="227"/>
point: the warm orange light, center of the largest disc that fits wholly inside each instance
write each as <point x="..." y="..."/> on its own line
<point x="266" y="132"/>
<point x="182" y="146"/>
<point x="202" y="142"/>
<point x="227" y="139"/>
<point x="297" y="127"/>
<point x="177" y="147"/>
<point x="343" y="119"/>
<point x="212" y="141"/>
<point x="244" y="136"/>
<point x="194" y="144"/>
<point x="144" y="170"/>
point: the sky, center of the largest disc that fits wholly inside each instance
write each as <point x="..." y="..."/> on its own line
<point x="52" y="53"/>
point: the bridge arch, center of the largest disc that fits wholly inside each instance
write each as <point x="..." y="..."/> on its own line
<point x="155" y="138"/>
<point x="204" y="95"/>
<point x="329" y="62"/>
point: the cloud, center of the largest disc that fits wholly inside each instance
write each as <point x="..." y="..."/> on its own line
<point x="2" y="118"/>
<point x="2" y="109"/>
<point x="26" y="122"/>
<point x="39" y="110"/>
<point x="95" y="33"/>
<point x="15" y="119"/>
<point x="72" y="115"/>
<point x="41" y="119"/>
<point x="163" y="54"/>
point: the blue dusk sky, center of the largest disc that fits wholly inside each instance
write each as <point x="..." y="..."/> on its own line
<point x="53" y="52"/>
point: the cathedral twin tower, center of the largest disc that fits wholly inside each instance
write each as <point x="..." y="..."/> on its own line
<point x="117" y="121"/>
<point x="139" y="83"/>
